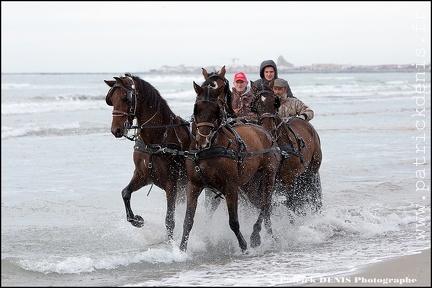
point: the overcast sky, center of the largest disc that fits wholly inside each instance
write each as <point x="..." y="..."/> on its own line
<point x="138" y="36"/>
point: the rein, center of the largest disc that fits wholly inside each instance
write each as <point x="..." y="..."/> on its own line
<point x="213" y="128"/>
<point x="131" y="96"/>
<point x="160" y="126"/>
<point x="159" y="148"/>
<point x="221" y="121"/>
<point x="221" y="151"/>
<point x="287" y="149"/>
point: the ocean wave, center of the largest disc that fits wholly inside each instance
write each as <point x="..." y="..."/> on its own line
<point x="350" y="91"/>
<point x="65" y="104"/>
<point x="108" y="261"/>
<point x="33" y="86"/>
<point x="52" y="130"/>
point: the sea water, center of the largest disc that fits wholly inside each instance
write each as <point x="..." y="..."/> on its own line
<point x="63" y="220"/>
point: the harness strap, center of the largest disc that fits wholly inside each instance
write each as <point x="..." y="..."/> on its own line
<point x="241" y="144"/>
<point x="178" y="118"/>
<point x="219" y="151"/>
<point x="287" y="150"/>
<point x="299" y="140"/>
<point x="248" y="154"/>
<point x="161" y="126"/>
<point x="200" y="174"/>
<point x="216" y="151"/>
<point x="170" y="148"/>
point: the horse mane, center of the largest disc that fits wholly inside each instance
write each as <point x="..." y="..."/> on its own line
<point x="151" y="97"/>
<point x="265" y="88"/>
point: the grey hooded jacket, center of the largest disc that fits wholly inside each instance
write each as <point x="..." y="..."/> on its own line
<point x="262" y="80"/>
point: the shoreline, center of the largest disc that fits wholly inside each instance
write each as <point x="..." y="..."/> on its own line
<point x="402" y="271"/>
<point x="197" y="70"/>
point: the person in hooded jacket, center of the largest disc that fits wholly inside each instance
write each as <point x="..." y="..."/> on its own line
<point x="268" y="72"/>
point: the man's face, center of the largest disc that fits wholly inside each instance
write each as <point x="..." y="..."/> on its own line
<point x="279" y="91"/>
<point x="240" y="85"/>
<point x="269" y="73"/>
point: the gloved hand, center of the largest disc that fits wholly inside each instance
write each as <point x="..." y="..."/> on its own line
<point x="302" y="116"/>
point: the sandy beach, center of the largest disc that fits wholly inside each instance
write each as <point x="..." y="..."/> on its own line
<point x="406" y="271"/>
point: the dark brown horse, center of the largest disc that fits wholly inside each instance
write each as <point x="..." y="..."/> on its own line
<point x="215" y="80"/>
<point x="229" y="158"/>
<point x="298" y="178"/>
<point x="160" y="141"/>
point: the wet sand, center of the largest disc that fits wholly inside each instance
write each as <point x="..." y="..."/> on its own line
<point x="405" y="271"/>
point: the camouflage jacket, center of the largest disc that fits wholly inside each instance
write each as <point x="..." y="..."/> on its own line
<point x="292" y="106"/>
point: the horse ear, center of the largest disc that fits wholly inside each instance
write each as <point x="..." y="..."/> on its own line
<point x="204" y="73"/>
<point x="198" y="89"/>
<point x="110" y="83"/>
<point x="223" y="71"/>
<point x="271" y="84"/>
<point x="253" y="87"/>
<point x="125" y="81"/>
<point x="117" y="80"/>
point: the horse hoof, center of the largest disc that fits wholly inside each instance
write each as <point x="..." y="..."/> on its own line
<point x="255" y="240"/>
<point x="138" y="221"/>
<point x="183" y="247"/>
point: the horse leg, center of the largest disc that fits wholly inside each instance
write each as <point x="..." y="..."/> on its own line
<point x="316" y="179"/>
<point x="300" y="195"/>
<point x="138" y="181"/>
<point x="316" y="189"/>
<point x="135" y="220"/>
<point x="267" y="184"/>
<point x="286" y="189"/>
<point x="211" y="201"/>
<point x="289" y="183"/>
<point x="264" y="215"/>
<point x="232" y="204"/>
<point x="307" y="194"/>
<point x="192" y="193"/>
<point x="255" y="238"/>
<point x="307" y="191"/>
<point x="171" y="195"/>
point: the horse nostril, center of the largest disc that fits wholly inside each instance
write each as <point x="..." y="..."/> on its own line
<point x="117" y="133"/>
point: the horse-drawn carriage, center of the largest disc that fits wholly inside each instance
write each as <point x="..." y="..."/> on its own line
<point x="215" y="152"/>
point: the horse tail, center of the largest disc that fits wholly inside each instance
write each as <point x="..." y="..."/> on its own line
<point x="317" y="154"/>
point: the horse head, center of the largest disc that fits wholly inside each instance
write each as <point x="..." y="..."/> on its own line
<point x="122" y="96"/>
<point x="215" y="80"/>
<point x="207" y="115"/>
<point x="265" y="103"/>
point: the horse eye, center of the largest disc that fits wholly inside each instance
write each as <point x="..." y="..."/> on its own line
<point x="125" y="98"/>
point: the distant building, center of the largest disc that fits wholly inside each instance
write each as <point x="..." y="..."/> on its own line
<point x="281" y="62"/>
<point x="286" y="67"/>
